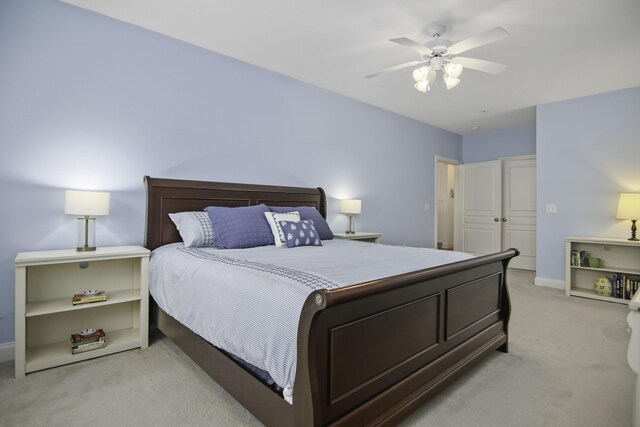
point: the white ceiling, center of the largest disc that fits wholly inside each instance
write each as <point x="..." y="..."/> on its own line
<point x="558" y="49"/>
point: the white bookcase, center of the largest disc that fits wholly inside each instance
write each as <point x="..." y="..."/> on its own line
<point x="618" y="256"/>
<point x="45" y="316"/>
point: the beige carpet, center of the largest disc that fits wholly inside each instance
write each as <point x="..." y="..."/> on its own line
<point x="566" y="367"/>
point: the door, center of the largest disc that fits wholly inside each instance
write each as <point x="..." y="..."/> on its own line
<point x="503" y="193"/>
<point x="519" y="210"/>
<point x="478" y="208"/>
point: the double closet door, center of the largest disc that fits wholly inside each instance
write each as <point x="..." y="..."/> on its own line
<point x="495" y="208"/>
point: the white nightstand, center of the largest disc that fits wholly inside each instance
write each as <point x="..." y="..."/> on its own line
<point x="360" y="235"/>
<point x="45" y="316"/>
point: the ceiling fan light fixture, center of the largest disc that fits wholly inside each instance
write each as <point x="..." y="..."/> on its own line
<point x="421" y="74"/>
<point x="442" y="55"/>
<point x="453" y="70"/>
<point x="422" y="86"/>
<point x="451" y="81"/>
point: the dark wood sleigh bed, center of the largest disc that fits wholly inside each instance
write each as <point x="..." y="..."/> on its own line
<point x="367" y="354"/>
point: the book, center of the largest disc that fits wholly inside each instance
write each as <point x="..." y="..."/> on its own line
<point x="584" y="259"/>
<point x="88" y="344"/>
<point x="77" y="339"/>
<point x="575" y="257"/>
<point x="85" y="299"/>
<point x="88" y="347"/>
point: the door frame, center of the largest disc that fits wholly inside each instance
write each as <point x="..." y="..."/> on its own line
<point x="439" y="159"/>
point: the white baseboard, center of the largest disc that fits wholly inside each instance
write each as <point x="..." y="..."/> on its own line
<point x="7" y="351"/>
<point x="549" y="283"/>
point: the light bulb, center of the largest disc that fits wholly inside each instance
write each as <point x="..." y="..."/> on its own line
<point x="453" y="70"/>
<point x="422" y="86"/>
<point x="451" y="82"/>
<point x="421" y="74"/>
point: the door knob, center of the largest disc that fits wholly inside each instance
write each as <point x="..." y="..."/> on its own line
<point x="496" y="219"/>
<point x="504" y="219"/>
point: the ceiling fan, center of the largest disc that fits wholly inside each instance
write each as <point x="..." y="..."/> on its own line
<point x="440" y="54"/>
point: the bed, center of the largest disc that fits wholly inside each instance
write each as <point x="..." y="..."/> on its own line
<point x="419" y="330"/>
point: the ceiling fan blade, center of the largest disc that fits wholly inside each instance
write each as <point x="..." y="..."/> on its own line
<point x="395" y="67"/>
<point x="420" y="48"/>
<point x="489" y="36"/>
<point x="479" y="65"/>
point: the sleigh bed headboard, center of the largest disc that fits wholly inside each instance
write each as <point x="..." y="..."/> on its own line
<point x="166" y="196"/>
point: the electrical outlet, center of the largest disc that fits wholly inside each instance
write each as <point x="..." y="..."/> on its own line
<point x="552" y="208"/>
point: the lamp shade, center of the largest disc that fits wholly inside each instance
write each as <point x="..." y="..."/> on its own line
<point x="629" y="206"/>
<point x="86" y="203"/>
<point x="351" y="206"/>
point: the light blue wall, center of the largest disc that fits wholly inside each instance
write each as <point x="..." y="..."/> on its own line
<point x="93" y="103"/>
<point x="588" y="152"/>
<point x="493" y="145"/>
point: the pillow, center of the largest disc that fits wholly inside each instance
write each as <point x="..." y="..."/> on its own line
<point x="273" y="220"/>
<point x="300" y="233"/>
<point x="194" y="227"/>
<point x="242" y="227"/>
<point x="309" y="213"/>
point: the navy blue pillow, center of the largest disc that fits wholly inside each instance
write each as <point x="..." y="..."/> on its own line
<point x="242" y="227"/>
<point x="308" y="213"/>
<point x="300" y="233"/>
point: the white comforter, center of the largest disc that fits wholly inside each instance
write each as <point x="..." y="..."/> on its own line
<point x="248" y="301"/>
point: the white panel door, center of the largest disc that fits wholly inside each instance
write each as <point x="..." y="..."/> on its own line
<point x="478" y="208"/>
<point x="519" y="211"/>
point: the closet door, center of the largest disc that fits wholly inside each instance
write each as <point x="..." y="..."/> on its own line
<point x="495" y="208"/>
<point x="478" y="208"/>
<point x="519" y="210"/>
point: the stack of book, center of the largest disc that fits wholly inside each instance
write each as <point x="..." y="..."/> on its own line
<point x="579" y="258"/>
<point x="86" y="342"/>
<point x="89" y="296"/>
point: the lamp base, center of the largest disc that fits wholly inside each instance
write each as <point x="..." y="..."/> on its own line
<point x="633" y="237"/>
<point x="351" y="229"/>
<point x="86" y="234"/>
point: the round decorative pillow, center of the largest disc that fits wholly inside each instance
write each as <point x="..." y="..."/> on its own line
<point x="603" y="286"/>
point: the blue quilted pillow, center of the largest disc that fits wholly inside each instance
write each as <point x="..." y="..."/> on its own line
<point x="311" y="214"/>
<point x="242" y="227"/>
<point x="300" y="233"/>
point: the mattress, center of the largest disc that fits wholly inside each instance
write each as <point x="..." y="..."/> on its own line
<point x="248" y="301"/>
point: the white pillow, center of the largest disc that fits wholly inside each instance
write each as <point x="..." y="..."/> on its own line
<point x="194" y="227"/>
<point x="274" y="219"/>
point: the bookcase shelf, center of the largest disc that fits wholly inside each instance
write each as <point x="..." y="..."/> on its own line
<point x="46" y="317"/>
<point x="42" y="308"/>
<point x="618" y="256"/>
<point x="59" y="353"/>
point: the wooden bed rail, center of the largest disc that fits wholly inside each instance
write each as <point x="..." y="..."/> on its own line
<point x="349" y="293"/>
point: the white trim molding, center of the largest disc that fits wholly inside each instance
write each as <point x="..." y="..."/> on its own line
<point x="7" y="351"/>
<point x="549" y="283"/>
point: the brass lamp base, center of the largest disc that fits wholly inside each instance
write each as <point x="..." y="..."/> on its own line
<point x="86" y="234"/>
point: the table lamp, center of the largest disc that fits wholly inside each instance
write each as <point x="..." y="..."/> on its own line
<point x="351" y="207"/>
<point x="86" y="204"/>
<point x="629" y="208"/>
